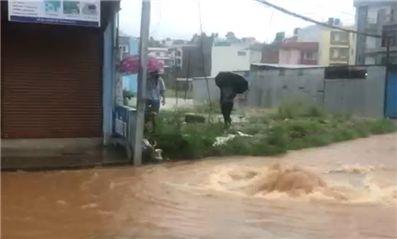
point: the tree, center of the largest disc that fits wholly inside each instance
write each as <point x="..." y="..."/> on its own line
<point x="230" y="36"/>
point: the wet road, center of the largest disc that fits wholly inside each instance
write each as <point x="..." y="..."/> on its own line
<point x="346" y="190"/>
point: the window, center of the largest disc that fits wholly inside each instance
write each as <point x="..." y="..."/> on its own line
<point x="309" y="55"/>
<point x="241" y="53"/>
<point x="339" y="53"/>
<point x="344" y="53"/>
<point x="339" y="37"/>
<point x="124" y="49"/>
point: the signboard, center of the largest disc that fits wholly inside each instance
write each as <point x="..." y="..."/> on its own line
<point x="121" y="121"/>
<point x="63" y="12"/>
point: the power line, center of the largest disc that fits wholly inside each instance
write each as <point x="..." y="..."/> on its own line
<point x="323" y="6"/>
<point x="281" y="9"/>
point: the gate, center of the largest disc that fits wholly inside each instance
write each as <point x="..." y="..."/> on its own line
<point x="391" y="94"/>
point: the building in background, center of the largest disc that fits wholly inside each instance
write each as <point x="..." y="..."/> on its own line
<point x="192" y="59"/>
<point x="375" y="16"/>
<point x="292" y="52"/>
<point x="163" y="55"/>
<point x="124" y="45"/>
<point x="312" y="45"/>
<point x="233" y="54"/>
<point x="270" y="52"/>
<point x="128" y="45"/>
<point x="335" y="47"/>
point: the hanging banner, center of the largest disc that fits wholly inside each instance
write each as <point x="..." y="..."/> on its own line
<point x="63" y="12"/>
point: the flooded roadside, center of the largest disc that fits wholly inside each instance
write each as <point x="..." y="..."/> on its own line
<point x="346" y="190"/>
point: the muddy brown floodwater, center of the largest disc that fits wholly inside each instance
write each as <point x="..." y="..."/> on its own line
<point x="346" y="190"/>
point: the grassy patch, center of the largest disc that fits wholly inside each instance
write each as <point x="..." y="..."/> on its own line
<point x="293" y="126"/>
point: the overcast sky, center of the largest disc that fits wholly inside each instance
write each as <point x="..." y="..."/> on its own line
<point x="246" y="18"/>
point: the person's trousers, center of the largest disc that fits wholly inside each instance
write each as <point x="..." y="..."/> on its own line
<point x="226" y="108"/>
<point x="153" y="106"/>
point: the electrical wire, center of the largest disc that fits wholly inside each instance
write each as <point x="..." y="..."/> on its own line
<point x="308" y="19"/>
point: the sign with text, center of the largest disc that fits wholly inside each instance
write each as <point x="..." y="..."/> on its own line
<point x="63" y="12"/>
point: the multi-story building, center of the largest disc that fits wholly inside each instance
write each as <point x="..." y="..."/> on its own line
<point x="375" y="17"/>
<point x="124" y="45"/>
<point x="292" y="52"/>
<point x="192" y="59"/>
<point x="335" y="47"/>
<point x="163" y="55"/>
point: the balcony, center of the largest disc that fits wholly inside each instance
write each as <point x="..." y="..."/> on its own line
<point x="308" y="62"/>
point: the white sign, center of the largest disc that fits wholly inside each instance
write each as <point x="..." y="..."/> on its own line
<point x="64" y="12"/>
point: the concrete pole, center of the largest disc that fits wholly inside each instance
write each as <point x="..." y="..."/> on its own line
<point x="142" y="75"/>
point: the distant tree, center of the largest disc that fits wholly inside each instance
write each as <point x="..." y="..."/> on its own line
<point x="280" y="36"/>
<point x="230" y="35"/>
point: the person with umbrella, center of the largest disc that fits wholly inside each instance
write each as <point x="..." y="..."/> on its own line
<point x="230" y="84"/>
<point x="155" y="87"/>
<point x="155" y="92"/>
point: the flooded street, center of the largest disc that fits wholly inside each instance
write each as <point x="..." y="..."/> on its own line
<point x="346" y="190"/>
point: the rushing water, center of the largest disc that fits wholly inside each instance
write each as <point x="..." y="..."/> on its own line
<point x="347" y="190"/>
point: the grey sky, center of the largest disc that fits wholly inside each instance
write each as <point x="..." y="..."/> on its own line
<point x="181" y="18"/>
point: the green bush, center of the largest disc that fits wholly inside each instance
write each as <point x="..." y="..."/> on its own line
<point x="382" y="126"/>
<point x="292" y="127"/>
<point x="298" y="109"/>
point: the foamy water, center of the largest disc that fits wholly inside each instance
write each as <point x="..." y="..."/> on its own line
<point x="291" y="182"/>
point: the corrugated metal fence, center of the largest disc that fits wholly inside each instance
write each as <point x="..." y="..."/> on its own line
<point x="270" y="88"/>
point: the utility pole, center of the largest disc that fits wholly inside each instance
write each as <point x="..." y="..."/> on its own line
<point x="142" y="75"/>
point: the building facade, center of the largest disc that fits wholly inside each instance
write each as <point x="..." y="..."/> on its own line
<point x="336" y="47"/>
<point x="375" y="17"/>
<point x="56" y="80"/>
<point x="233" y="56"/>
<point x="298" y="53"/>
<point x="163" y="55"/>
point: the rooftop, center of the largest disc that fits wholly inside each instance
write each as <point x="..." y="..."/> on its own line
<point x="372" y="2"/>
<point x="284" y="66"/>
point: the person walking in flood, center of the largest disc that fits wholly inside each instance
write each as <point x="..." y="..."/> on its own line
<point x="230" y="84"/>
<point x="227" y="103"/>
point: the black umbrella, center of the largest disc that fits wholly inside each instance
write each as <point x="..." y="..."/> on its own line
<point x="229" y="79"/>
